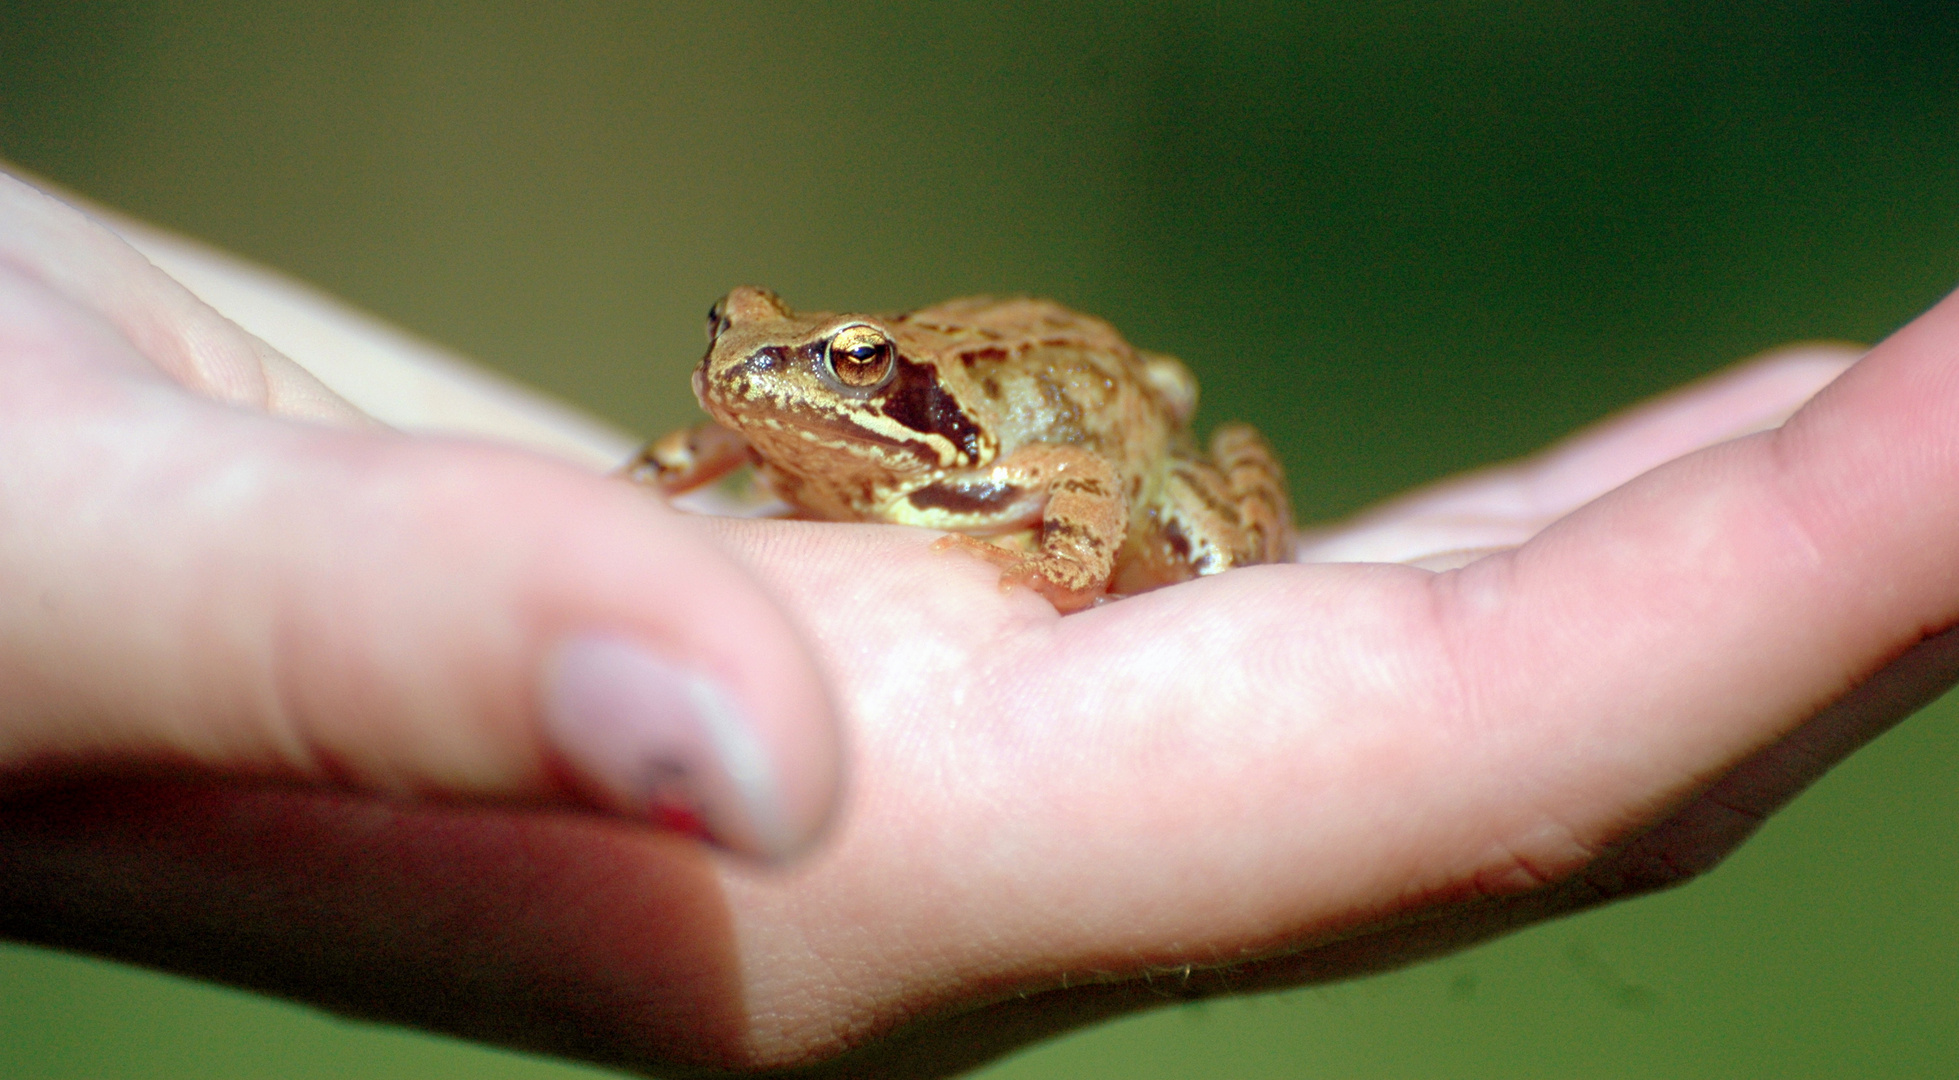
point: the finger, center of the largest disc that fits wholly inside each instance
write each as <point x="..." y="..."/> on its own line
<point x="1503" y="506"/>
<point x="1701" y="833"/>
<point x="399" y="379"/>
<point x="1688" y="842"/>
<point x="1742" y="590"/>
<point x="1641" y="648"/>
<point x="182" y="336"/>
<point x="1637" y="650"/>
<point x="192" y="586"/>
<point x="549" y="933"/>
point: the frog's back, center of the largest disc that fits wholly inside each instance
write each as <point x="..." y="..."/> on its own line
<point x="1057" y="376"/>
<point x="1044" y="373"/>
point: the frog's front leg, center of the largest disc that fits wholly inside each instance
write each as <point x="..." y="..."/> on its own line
<point x="1084" y="516"/>
<point x="680" y="461"/>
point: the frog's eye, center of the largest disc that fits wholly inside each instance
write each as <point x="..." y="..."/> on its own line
<point x="859" y="357"/>
<point x="714" y="322"/>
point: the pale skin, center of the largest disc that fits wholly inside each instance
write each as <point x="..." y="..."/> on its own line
<point x="1280" y="775"/>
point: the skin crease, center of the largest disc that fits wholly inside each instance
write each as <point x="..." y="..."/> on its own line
<point x="1281" y="775"/>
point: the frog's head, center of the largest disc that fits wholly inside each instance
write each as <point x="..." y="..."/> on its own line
<point x="834" y="398"/>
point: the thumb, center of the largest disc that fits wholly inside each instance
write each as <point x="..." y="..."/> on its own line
<point x="185" y="584"/>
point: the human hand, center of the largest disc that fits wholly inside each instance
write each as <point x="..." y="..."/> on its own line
<point x="210" y="564"/>
<point x="1283" y="774"/>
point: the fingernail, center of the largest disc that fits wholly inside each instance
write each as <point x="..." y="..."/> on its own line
<point x="665" y="743"/>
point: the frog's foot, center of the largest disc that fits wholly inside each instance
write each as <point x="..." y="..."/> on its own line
<point x="1082" y="525"/>
<point x="979" y="549"/>
<point x="1064" y="585"/>
<point x="680" y="461"/>
<point x="1061" y="583"/>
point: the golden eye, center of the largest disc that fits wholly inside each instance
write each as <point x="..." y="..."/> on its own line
<point x="860" y="357"/>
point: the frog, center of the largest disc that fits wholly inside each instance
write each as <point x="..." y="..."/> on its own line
<point x="1032" y="435"/>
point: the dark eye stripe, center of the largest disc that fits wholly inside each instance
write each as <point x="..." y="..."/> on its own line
<point x="916" y="400"/>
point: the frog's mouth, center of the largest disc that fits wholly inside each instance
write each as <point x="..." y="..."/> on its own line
<point x="815" y="443"/>
<point x="877" y="432"/>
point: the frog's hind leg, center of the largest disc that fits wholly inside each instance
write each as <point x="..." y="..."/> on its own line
<point x="1209" y="515"/>
<point x="1257" y="486"/>
<point x="1173" y="382"/>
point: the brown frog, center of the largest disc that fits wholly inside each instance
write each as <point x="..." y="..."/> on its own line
<point x="1036" y="428"/>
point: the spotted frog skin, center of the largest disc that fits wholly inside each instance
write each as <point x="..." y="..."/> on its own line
<point x="1035" y="434"/>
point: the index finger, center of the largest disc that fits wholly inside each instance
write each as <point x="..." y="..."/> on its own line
<point x="170" y="327"/>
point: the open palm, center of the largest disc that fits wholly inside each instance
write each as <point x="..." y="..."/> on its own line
<point x="1520" y="694"/>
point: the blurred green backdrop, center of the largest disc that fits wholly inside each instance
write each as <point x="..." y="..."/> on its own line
<point x="1402" y="238"/>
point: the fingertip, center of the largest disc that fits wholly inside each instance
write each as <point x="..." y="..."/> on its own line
<point x="673" y="687"/>
<point x="665" y="741"/>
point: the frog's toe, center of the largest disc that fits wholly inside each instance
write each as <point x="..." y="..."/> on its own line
<point x="1019" y="571"/>
<point x="977" y="548"/>
<point x="1068" y="586"/>
<point x="1064" y="599"/>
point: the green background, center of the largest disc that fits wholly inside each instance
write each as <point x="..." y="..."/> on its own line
<point x="1403" y="239"/>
